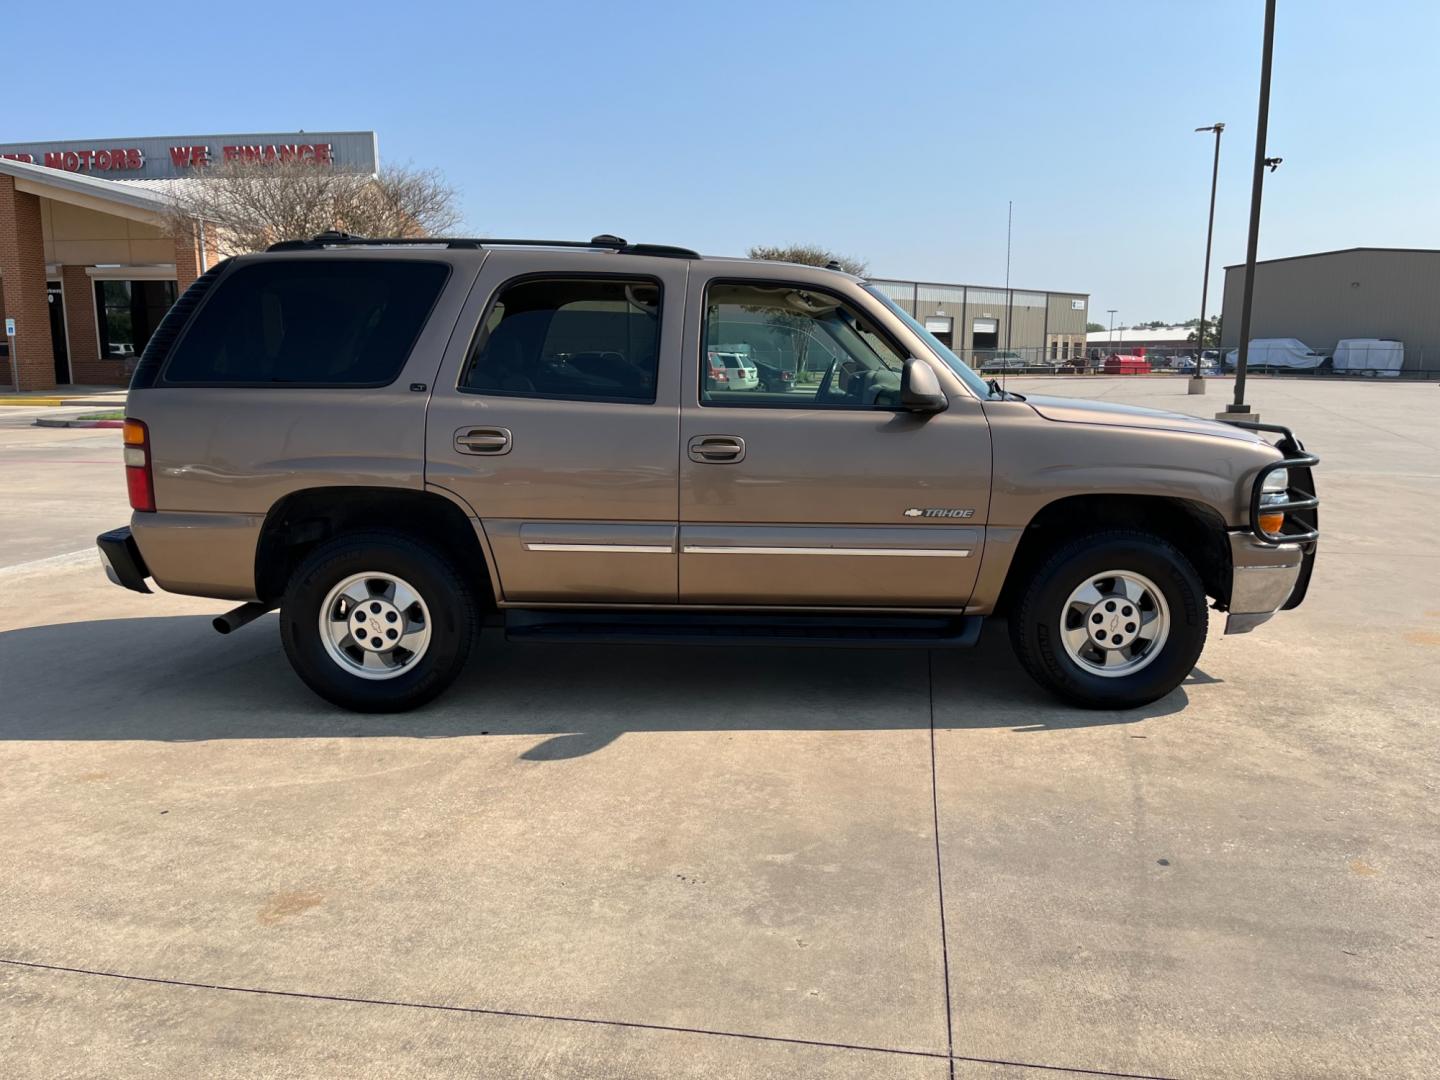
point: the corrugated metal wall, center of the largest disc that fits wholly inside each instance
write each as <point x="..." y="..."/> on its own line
<point x="1027" y="319"/>
<point x="1322" y="299"/>
<point x="1032" y="319"/>
<point x="1065" y="317"/>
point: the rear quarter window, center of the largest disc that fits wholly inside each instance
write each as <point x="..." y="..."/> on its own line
<point x="313" y="322"/>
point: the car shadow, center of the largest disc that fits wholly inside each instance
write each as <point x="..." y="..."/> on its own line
<point x="172" y="678"/>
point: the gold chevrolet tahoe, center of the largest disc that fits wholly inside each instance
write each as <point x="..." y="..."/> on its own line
<point x="396" y="442"/>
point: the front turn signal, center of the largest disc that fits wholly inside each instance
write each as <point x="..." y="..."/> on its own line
<point x="1272" y="523"/>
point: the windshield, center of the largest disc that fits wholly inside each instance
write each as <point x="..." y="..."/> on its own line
<point x="953" y="362"/>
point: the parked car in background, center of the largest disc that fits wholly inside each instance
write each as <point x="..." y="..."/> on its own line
<point x="775" y="376"/>
<point x="1000" y="360"/>
<point x="732" y="369"/>
<point x="1186" y="364"/>
<point x="1370" y="356"/>
<point x="1280" y="354"/>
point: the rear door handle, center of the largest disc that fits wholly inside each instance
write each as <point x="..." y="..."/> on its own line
<point x="490" y="441"/>
<point x="717" y="449"/>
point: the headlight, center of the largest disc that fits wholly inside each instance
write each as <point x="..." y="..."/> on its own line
<point x="1279" y="480"/>
<point x="1274" y="490"/>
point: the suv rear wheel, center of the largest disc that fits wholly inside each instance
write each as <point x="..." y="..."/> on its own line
<point x="1111" y="621"/>
<point x="377" y="622"/>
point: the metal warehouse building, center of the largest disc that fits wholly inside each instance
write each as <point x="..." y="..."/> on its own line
<point x="1041" y="326"/>
<point x="1333" y="295"/>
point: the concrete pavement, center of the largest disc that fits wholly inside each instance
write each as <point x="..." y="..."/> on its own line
<point x="589" y="861"/>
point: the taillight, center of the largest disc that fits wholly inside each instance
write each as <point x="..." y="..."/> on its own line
<point x="787" y="376"/>
<point x="139" y="480"/>
<point x="719" y="376"/>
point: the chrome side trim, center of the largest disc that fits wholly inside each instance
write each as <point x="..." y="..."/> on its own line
<point x="640" y="549"/>
<point x="925" y="553"/>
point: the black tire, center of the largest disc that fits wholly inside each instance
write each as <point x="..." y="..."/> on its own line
<point x="1035" y="624"/>
<point x="453" y="621"/>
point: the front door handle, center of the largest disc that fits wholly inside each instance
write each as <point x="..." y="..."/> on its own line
<point x="489" y="441"/>
<point x="717" y="449"/>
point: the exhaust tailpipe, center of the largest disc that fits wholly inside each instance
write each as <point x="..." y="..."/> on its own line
<point x="245" y="613"/>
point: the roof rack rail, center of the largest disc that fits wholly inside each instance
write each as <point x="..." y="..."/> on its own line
<point x="605" y="241"/>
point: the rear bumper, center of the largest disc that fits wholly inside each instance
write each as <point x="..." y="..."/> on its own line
<point x="120" y="555"/>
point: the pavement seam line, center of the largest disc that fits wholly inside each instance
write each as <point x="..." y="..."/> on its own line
<point x="939" y="872"/>
<point x="513" y="1014"/>
<point x="944" y="937"/>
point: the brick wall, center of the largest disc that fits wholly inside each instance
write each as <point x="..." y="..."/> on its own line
<point x="22" y="287"/>
<point x="187" y="261"/>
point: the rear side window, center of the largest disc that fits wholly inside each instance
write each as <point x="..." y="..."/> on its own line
<point x="576" y="339"/>
<point x="313" y="322"/>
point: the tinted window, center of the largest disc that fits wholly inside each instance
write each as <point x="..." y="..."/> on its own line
<point x="328" y="322"/>
<point x="808" y="349"/>
<point x="576" y="339"/>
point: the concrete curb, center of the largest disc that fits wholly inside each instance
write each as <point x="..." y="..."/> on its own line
<point x="80" y="423"/>
<point x="97" y="402"/>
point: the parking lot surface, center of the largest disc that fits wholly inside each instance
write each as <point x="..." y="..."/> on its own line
<point x="600" y="861"/>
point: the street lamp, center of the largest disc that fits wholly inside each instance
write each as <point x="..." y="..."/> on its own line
<point x="1257" y="185"/>
<point x="1112" y="327"/>
<point x="1197" y="384"/>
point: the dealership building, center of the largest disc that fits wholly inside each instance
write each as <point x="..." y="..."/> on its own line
<point x="1331" y="296"/>
<point x="1042" y="326"/>
<point x="89" y="259"/>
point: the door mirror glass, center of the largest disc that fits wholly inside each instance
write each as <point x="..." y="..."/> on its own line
<point x="920" y="388"/>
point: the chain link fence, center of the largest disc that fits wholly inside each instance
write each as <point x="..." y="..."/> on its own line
<point x="1381" y="360"/>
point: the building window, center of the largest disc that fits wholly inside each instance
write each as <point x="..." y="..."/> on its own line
<point x="128" y="313"/>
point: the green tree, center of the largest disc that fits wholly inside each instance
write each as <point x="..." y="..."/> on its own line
<point x="1212" y="330"/>
<point x="1093" y="328"/>
<point x="809" y="255"/>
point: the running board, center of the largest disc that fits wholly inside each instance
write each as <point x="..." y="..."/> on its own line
<point x="720" y="628"/>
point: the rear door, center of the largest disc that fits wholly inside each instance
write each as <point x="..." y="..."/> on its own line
<point x="825" y="492"/>
<point x="556" y="420"/>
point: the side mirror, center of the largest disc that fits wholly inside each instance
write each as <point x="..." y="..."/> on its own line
<point x="920" y="389"/>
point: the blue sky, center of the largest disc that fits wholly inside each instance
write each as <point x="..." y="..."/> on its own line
<point x="894" y="132"/>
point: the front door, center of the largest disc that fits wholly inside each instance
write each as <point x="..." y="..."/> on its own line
<point x="824" y="492"/>
<point x="58" y="341"/>
<point x="556" y="420"/>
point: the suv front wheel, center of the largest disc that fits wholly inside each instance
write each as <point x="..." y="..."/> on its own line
<point x="1111" y="621"/>
<point x="376" y="622"/>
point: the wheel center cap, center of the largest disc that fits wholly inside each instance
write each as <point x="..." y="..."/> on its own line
<point x="1113" y="622"/>
<point x="376" y="625"/>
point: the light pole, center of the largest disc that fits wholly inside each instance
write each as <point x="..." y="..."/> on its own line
<point x="1257" y="186"/>
<point x="1112" y="327"/>
<point x="1197" y="383"/>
